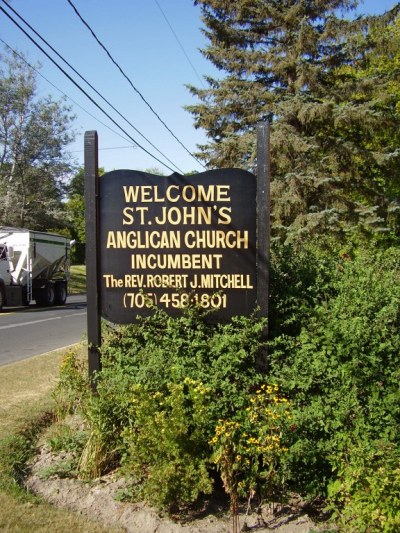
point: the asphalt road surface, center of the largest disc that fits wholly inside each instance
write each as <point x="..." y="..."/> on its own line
<point x="29" y="331"/>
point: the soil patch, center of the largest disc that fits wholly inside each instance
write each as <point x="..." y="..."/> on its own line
<point x="97" y="500"/>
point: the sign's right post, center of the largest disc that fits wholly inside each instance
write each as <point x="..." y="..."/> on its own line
<point x="263" y="217"/>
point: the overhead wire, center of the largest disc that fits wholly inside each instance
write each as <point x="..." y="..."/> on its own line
<point x="86" y="24"/>
<point x="63" y="93"/>
<point x="107" y="148"/>
<point x="180" y="44"/>
<point x="90" y="85"/>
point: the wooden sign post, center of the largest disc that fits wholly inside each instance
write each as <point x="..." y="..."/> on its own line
<point x="92" y="254"/>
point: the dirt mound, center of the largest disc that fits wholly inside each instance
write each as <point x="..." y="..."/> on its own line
<point x="97" y="501"/>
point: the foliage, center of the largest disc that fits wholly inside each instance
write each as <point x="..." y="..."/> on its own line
<point x="164" y="443"/>
<point x="61" y="469"/>
<point x="160" y="350"/>
<point x="306" y="68"/>
<point x="24" y="395"/>
<point x="340" y="369"/>
<point x="248" y="448"/>
<point x="33" y="135"/>
<point x="15" y="451"/>
<point x="75" y="211"/>
<point x="164" y="384"/>
<point x="365" y="493"/>
<point x="376" y="84"/>
<point x="73" y="386"/>
<point x="180" y="400"/>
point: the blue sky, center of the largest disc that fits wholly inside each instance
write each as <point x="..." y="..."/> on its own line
<point x="140" y="39"/>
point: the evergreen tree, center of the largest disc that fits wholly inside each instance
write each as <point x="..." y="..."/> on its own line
<point x="295" y="63"/>
<point x="380" y="68"/>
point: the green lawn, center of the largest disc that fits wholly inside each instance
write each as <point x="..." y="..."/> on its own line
<point x="25" y="394"/>
<point x="77" y="282"/>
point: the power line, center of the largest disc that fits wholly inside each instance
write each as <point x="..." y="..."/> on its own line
<point x="63" y="93"/>
<point x="179" y="43"/>
<point x="91" y="86"/>
<point x="82" y="90"/>
<point x="130" y="82"/>
<point x="107" y="148"/>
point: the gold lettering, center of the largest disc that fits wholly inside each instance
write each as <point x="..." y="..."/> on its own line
<point x="133" y="281"/>
<point x="223" y="193"/>
<point x="224" y="216"/>
<point x="178" y="281"/>
<point x="128" y="217"/>
<point x="131" y="193"/>
<point x="216" y="239"/>
<point x="175" y="261"/>
<point x="112" y="281"/>
<point x="143" y="239"/>
<point x="188" y="193"/>
<point x="169" y="196"/>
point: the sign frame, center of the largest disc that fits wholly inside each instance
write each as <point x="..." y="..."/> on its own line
<point x="93" y="245"/>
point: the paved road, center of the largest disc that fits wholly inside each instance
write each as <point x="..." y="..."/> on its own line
<point x="32" y="330"/>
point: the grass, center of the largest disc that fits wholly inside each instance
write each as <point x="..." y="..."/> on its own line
<point x="77" y="282"/>
<point x="25" y="395"/>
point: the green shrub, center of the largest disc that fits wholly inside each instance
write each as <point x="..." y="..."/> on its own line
<point x="248" y="448"/>
<point x="149" y="410"/>
<point x="333" y="350"/>
<point x="341" y="369"/>
<point x="15" y="451"/>
<point x="164" y="445"/>
<point x="73" y="387"/>
<point x="365" y="495"/>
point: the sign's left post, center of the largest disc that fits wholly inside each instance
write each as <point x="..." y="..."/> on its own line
<point x="92" y="254"/>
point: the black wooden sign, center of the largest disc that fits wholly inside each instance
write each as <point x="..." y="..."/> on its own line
<point x="166" y="241"/>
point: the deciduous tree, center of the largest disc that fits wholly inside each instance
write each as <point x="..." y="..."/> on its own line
<point x="34" y="133"/>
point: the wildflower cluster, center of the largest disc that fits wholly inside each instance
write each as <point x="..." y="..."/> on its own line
<point x="165" y="436"/>
<point x="248" y="448"/>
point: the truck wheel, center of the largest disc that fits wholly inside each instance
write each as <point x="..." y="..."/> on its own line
<point x="50" y="294"/>
<point x="60" y="293"/>
<point x="46" y="297"/>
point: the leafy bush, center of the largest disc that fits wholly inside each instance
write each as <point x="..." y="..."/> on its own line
<point x="248" y="448"/>
<point x="180" y="397"/>
<point x="150" y="407"/>
<point x="73" y="387"/>
<point x="365" y="495"/>
<point x="341" y="369"/>
<point x="164" y="444"/>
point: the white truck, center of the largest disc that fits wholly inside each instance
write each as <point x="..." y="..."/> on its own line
<point x="34" y="266"/>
